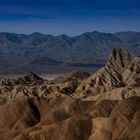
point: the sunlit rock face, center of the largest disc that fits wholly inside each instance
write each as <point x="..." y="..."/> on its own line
<point x="75" y="106"/>
<point x="119" y="77"/>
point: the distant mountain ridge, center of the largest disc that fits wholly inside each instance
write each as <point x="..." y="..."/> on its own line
<point x="20" y="52"/>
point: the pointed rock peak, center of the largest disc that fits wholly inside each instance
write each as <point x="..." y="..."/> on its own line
<point x="118" y="52"/>
<point x="120" y="57"/>
<point x="32" y="75"/>
<point x="30" y="79"/>
<point x="79" y="73"/>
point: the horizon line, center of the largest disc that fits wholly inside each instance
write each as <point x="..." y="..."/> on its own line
<point x="36" y="32"/>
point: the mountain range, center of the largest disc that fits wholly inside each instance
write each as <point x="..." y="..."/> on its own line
<point x="20" y="53"/>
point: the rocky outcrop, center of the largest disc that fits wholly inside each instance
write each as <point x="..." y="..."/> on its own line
<point x="76" y="106"/>
<point x="76" y="75"/>
<point x="121" y="71"/>
<point x="55" y="118"/>
<point x="30" y="79"/>
<point x="66" y="118"/>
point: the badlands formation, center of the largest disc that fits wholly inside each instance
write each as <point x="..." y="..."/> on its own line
<point x="76" y="106"/>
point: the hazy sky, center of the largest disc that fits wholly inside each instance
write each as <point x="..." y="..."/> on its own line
<point x="69" y="16"/>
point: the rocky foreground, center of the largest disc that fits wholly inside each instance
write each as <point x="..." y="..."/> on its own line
<point x="104" y="105"/>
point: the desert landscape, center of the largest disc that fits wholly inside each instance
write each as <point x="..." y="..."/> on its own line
<point x="104" y="105"/>
<point x="69" y="69"/>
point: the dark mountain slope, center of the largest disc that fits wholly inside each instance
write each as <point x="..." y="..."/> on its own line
<point x="87" y="49"/>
